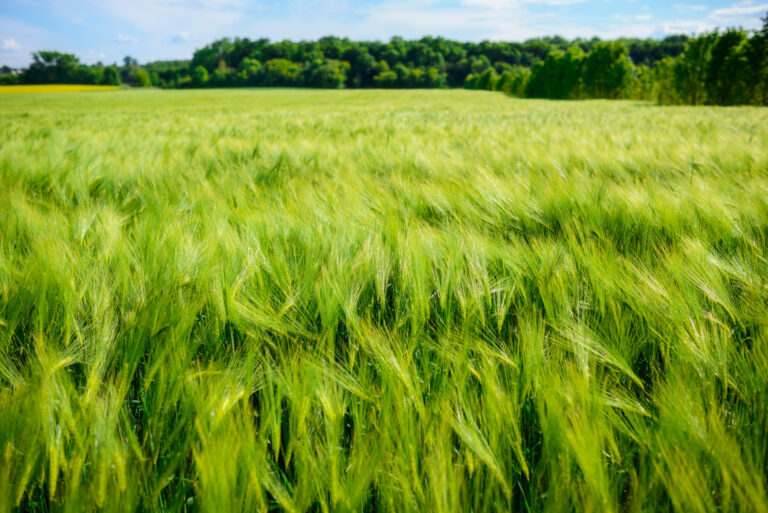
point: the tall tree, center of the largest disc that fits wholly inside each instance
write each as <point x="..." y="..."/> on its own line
<point x="607" y="70"/>
<point x="727" y="69"/>
<point x="111" y="76"/>
<point x="690" y="69"/>
<point x="52" y="68"/>
<point x="757" y="68"/>
<point x="558" y="76"/>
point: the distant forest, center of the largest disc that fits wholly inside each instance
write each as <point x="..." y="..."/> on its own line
<point x="722" y="68"/>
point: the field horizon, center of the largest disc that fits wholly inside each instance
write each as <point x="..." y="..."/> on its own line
<point x="376" y="300"/>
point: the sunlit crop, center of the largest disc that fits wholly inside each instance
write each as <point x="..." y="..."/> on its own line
<point x="241" y="300"/>
<point x="53" y="88"/>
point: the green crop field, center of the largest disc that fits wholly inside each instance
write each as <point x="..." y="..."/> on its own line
<point x="295" y="300"/>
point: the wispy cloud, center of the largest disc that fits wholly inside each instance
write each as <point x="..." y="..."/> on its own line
<point x="10" y="44"/>
<point x="685" y="8"/>
<point x="737" y="11"/>
<point x="181" y="37"/>
<point x="493" y="4"/>
<point x="127" y="40"/>
<point x="636" y="17"/>
<point x="555" y="2"/>
<point x="206" y="17"/>
<point x="686" y="27"/>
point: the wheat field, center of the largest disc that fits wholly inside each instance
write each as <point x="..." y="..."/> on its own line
<point x="296" y="300"/>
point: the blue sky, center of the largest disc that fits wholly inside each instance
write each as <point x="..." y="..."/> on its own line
<point x="107" y="30"/>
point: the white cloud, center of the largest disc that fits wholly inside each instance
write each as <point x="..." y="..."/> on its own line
<point x="125" y="39"/>
<point x="467" y="21"/>
<point x="161" y="19"/>
<point x="738" y="10"/>
<point x="181" y="37"/>
<point x="555" y="2"/>
<point x="636" y="17"/>
<point x="10" y="44"/>
<point x="686" y="27"/>
<point x="206" y="4"/>
<point x="683" y="8"/>
<point x="493" y="4"/>
<point x="94" y="56"/>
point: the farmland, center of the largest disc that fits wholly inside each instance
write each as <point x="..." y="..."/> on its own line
<point x="297" y="300"/>
<point x="53" y="88"/>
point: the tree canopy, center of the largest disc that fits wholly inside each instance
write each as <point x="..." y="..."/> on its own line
<point x="729" y="67"/>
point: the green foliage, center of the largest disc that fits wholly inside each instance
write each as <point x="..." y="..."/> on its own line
<point x="607" y="70"/>
<point x="643" y="84"/>
<point x="381" y="301"/>
<point x="558" y="76"/>
<point x="250" y="71"/>
<point x="726" y="72"/>
<point x="111" y="76"/>
<point x="487" y="80"/>
<point x="514" y="81"/>
<point x="648" y="52"/>
<point x="52" y="68"/>
<point x="9" y="79"/>
<point x="199" y="76"/>
<point x="757" y="67"/>
<point x="665" y="78"/>
<point x="142" y="78"/>
<point x="329" y="74"/>
<point x="280" y="72"/>
<point x="691" y="69"/>
<point x="386" y="80"/>
<point x="728" y="68"/>
<point x="471" y="81"/>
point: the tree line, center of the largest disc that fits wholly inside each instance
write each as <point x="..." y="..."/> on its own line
<point x="724" y="68"/>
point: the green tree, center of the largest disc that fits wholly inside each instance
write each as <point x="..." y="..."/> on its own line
<point x="642" y="83"/>
<point x="52" y="68"/>
<point x="558" y="76"/>
<point x="690" y="69"/>
<point x="665" y="90"/>
<point x="111" y="76"/>
<point x="433" y="78"/>
<point x="487" y="80"/>
<point x="249" y="71"/>
<point x="757" y="69"/>
<point x="479" y="64"/>
<point x="142" y="78"/>
<point x="727" y="69"/>
<point x="328" y="74"/>
<point x="280" y="73"/>
<point x="514" y="81"/>
<point x="607" y="70"/>
<point x="9" y="79"/>
<point x="199" y="76"/>
<point x="385" y="80"/>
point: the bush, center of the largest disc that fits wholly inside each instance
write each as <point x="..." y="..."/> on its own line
<point x="142" y="78"/>
<point x="514" y="81"/>
<point x="199" y="76"/>
<point x="9" y="79"/>
<point x="111" y="76"/>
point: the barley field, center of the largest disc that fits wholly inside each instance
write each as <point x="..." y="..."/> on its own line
<point x="442" y="301"/>
<point x="53" y="88"/>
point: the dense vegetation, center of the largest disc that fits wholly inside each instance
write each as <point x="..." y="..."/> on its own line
<point x="250" y="300"/>
<point x="723" y="68"/>
<point x="54" y="88"/>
